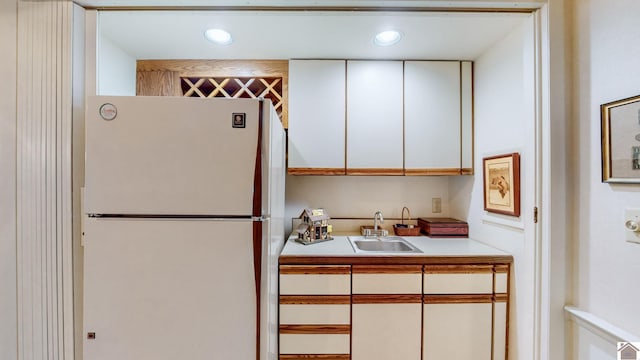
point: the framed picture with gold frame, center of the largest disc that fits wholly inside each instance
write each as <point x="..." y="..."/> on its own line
<point x="621" y="141"/>
<point x="502" y="184"/>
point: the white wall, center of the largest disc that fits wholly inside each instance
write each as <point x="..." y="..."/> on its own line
<point x="590" y="346"/>
<point x="503" y="123"/>
<point x="605" y="58"/>
<point x="362" y="196"/>
<point x="8" y="305"/>
<point x="116" y="70"/>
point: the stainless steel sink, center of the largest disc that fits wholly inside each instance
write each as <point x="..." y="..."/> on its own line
<point x="389" y="244"/>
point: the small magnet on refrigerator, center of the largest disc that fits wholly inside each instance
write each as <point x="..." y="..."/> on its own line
<point x="238" y="120"/>
<point x="108" y="111"/>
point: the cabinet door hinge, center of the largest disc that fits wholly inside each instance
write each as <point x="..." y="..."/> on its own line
<point x="535" y="214"/>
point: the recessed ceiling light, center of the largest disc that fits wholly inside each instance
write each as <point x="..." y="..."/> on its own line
<point x="218" y="36"/>
<point x="387" y="38"/>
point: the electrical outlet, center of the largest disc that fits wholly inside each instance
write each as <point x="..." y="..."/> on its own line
<point x="436" y="205"/>
<point x="632" y="225"/>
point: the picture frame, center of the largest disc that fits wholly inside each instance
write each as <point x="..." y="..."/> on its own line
<point x="620" y="131"/>
<point x="501" y="180"/>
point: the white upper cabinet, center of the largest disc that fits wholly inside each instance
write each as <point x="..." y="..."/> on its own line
<point x="432" y="117"/>
<point x="466" y="108"/>
<point x="362" y="117"/>
<point x="317" y="117"/>
<point x="374" y="117"/>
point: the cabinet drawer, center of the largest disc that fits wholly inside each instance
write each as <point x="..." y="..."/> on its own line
<point x="382" y="279"/>
<point x="315" y="314"/>
<point x="315" y="343"/>
<point x="315" y="280"/>
<point x="467" y="279"/>
<point x="501" y="280"/>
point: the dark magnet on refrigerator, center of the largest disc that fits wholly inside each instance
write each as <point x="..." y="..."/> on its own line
<point x="238" y="120"/>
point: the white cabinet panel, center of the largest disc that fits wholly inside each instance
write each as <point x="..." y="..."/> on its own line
<point x="374" y="115"/>
<point x="308" y="284"/>
<point x="432" y="115"/>
<point x="386" y="331"/>
<point x="479" y="283"/>
<point x="316" y="114"/>
<point x="501" y="283"/>
<point x="466" y="108"/>
<point x="386" y="310"/>
<point x="302" y="314"/>
<point x="500" y="331"/>
<point x="457" y="331"/>
<point x="313" y="344"/>
<point x="387" y="283"/>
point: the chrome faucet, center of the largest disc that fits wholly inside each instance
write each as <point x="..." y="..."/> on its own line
<point x="377" y="216"/>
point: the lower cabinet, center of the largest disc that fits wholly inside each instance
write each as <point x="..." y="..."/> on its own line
<point x="315" y="312"/>
<point x="390" y="312"/>
<point x="386" y="312"/>
<point x="459" y="329"/>
<point x="465" y="312"/>
<point x="385" y="331"/>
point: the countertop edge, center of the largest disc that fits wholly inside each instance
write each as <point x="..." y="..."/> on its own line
<point x="393" y="259"/>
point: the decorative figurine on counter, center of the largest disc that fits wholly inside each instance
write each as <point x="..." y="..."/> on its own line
<point x="314" y="227"/>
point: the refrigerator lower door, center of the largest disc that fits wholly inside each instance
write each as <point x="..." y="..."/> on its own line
<point x="272" y="246"/>
<point x="169" y="289"/>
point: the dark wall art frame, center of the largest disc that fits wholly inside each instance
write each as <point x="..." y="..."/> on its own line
<point x="501" y="179"/>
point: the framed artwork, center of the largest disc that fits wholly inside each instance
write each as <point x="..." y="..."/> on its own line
<point x="621" y="141"/>
<point x="502" y="184"/>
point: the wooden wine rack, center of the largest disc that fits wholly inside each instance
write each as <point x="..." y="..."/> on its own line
<point x="266" y="79"/>
<point x="235" y="87"/>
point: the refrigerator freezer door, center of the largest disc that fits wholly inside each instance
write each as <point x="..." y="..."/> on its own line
<point x="170" y="155"/>
<point x="169" y="289"/>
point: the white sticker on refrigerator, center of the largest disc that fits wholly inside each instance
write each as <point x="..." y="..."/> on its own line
<point x="108" y="111"/>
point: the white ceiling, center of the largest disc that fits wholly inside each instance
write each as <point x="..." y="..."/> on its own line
<point x="172" y="34"/>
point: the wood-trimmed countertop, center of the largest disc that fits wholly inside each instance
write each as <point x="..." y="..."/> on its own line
<point x="434" y="251"/>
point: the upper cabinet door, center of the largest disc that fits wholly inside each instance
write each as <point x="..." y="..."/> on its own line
<point x="316" y="117"/>
<point x="466" y="92"/>
<point x="432" y="117"/>
<point x="374" y="117"/>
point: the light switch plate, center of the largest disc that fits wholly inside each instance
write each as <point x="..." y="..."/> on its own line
<point x="436" y="205"/>
<point x="631" y="216"/>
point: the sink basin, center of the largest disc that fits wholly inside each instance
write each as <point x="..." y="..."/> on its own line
<point x="389" y="244"/>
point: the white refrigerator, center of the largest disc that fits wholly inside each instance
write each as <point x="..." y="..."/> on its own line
<point x="183" y="225"/>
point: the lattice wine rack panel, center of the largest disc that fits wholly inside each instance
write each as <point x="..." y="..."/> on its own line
<point x="235" y="87"/>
